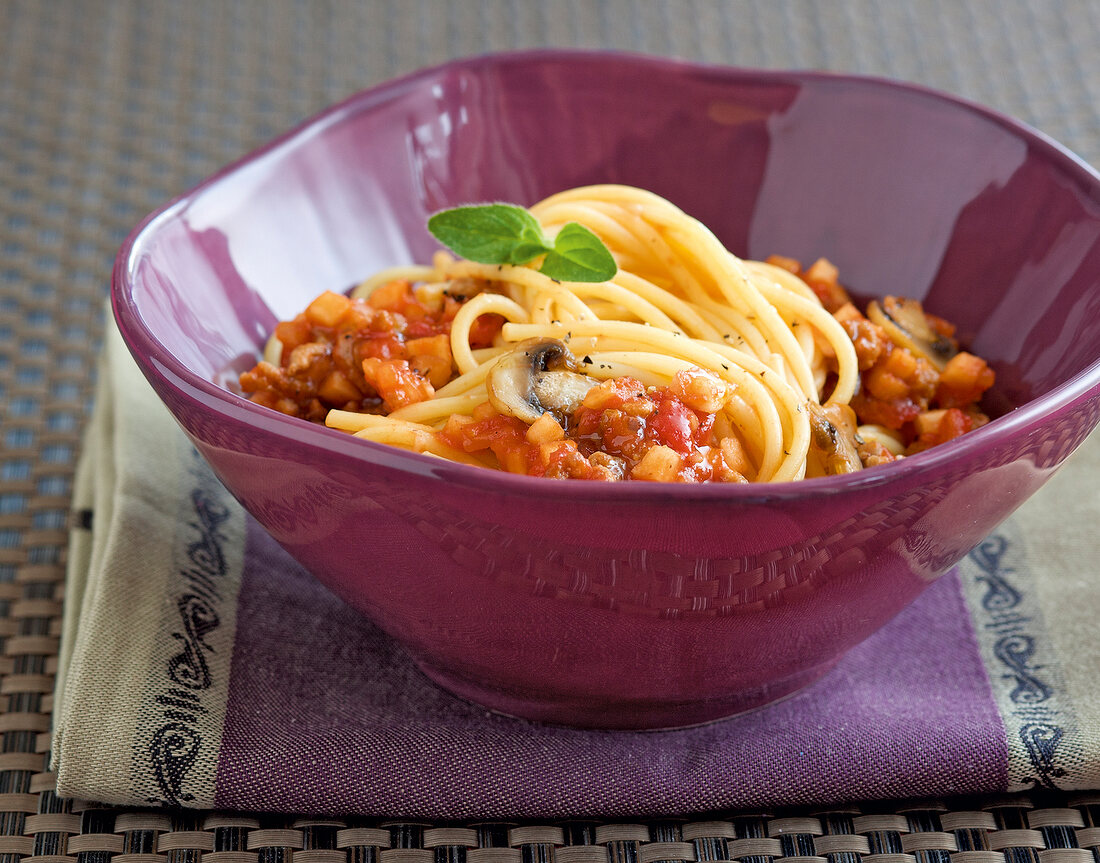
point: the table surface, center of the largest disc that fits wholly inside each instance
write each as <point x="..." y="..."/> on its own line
<point x="109" y="109"/>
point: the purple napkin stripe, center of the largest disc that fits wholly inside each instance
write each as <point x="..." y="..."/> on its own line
<point x="327" y="715"/>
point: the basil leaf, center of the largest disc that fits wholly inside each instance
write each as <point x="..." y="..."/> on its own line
<point x="578" y="256"/>
<point x="507" y="234"/>
<point x="490" y="233"/>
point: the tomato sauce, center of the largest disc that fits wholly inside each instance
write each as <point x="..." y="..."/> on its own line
<point x="392" y="349"/>
<point x="371" y="355"/>
<point x="610" y="436"/>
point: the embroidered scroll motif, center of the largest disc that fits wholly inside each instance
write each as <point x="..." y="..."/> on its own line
<point x="176" y="743"/>
<point x="1013" y="637"/>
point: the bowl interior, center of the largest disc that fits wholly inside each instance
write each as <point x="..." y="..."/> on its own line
<point x="908" y="192"/>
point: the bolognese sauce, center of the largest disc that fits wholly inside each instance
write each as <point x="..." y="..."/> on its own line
<point x="392" y="349"/>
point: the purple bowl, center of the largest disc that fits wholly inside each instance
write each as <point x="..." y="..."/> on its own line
<point x="632" y="605"/>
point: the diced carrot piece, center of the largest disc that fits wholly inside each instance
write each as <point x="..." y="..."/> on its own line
<point x="885" y="385"/>
<point x="822" y="279"/>
<point x="396" y="383"/>
<point x="824" y="271"/>
<point x="483" y="411"/>
<point x="357" y="317"/>
<point x="939" y="426"/>
<point x="963" y="380"/>
<point x="849" y="312"/>
<point x="439" y="346"/>
<point x="602" y="397"/>
<point x="451" y="433"/>
<point x="869" y="339"/>
<point x="326" y="310"/>
<point x="734" y="455"/>
<point x="901" y="362"/>
<point x="545" y="430"/>
<point x="789" y="264"/>
<point x="659" y="464"/>
<point x="699" y="390"/>
<point x="549" y="450"/>
<point x="293" y="333"/>
<point x="435" y="369"/>
<point x="337" y="389"/>
<point x="928" y="422"/>
<point x="513" y="460"/>
<point x="392" y="296"/>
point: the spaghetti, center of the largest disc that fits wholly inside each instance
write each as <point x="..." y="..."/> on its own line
<point x="689" y="364"/>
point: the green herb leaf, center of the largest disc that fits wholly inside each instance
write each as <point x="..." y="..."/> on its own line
<point x="490" y="233"/>
<point x="507" y="234"/>
<point x="578" y="256"/>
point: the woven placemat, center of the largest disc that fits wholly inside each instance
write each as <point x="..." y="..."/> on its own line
<point x="108" y="109"/>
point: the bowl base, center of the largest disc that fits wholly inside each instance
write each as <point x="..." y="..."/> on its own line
<point x="621" y="714"/>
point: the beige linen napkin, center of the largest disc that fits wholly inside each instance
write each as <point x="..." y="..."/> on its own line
<point x="1033" y="588"/>
<point x="202" y="667"/>
<point x="124" y="619"/>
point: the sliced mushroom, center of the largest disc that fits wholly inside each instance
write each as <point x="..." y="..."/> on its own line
<point x="906" y="325"/>
<point x="538" y="376"/>
<point x="833" y="440"/>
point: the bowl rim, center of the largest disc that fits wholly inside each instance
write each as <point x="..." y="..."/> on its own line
<point x="156" y="362"/>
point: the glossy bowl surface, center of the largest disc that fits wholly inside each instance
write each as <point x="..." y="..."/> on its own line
<point x="632" y="605"/>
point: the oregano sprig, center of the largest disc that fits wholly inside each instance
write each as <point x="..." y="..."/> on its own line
<point x="507" y="234"/>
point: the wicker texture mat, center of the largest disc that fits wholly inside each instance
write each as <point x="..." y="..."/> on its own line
<point x="108" y="109"/>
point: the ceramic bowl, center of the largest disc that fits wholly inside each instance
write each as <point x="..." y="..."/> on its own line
<point x="633" y="605"/>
